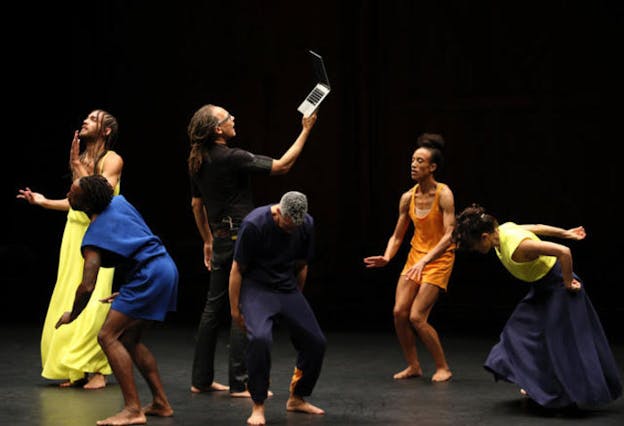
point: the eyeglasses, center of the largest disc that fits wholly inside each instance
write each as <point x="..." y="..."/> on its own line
<point x="227" y="117"/>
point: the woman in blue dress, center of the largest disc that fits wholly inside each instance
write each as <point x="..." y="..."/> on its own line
<point x="553" y="346"/>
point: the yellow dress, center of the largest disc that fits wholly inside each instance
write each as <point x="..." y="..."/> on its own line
<point x="73" y="350"/>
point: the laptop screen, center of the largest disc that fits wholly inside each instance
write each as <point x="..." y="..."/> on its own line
<point x="319" y="68"/>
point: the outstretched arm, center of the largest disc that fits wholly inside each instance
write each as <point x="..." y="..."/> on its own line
<point x="577" y="233"/>
<point x="37" y="199"/>
<point x="284" y="164"/>
<point x="395" y="240"/>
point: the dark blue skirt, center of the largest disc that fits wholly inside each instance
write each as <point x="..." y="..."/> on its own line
<point x="553" y="346"/>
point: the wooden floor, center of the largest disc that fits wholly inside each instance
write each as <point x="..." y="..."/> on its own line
<point x="355" y="387"/>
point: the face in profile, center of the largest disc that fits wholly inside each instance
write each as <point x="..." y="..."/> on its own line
<point x="74" y="196"/>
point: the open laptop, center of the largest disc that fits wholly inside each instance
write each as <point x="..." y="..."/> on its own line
<point x="320" y="91"/>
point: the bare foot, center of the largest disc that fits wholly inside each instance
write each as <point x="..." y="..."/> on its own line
<point x="70" y="384"/>
<point x="214" y="387"/>
<point x="246" y="394"/>
<point x="124" y="417"/>
<point x="159" y="410"/>
<point x="257" y="415"/>
<point x="523" y="392"/>
<point x="298" y="404"/>
<point x="96" y="381"/>
<point x="408" y="373"/>
<point x="442" y="375"/>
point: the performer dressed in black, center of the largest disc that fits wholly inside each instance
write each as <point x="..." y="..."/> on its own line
<point x="221" y="198"/>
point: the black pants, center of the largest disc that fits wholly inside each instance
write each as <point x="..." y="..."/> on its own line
<point x="217" y="310"/>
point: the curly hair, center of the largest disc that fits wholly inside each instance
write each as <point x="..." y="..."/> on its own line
<point x="97" y="193"/>
<point x="470" y="224"/>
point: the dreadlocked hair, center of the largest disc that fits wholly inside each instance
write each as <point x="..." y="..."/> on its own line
<point x="470" y="224"/>
<point x="201" y="131"/>
<point x="97" y="193"/>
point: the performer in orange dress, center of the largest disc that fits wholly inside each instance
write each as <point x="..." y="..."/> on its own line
<point x="430" y="206"/>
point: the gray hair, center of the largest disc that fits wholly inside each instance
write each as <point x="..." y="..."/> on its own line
<point x="294" y="205"/>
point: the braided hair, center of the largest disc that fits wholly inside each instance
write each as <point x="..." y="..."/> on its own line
<point x="105" y="121"/>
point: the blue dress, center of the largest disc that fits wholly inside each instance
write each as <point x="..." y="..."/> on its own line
<point x="149" y="286"/>
<point x="553" y="346"/>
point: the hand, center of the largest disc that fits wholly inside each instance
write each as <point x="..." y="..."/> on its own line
<point x="415" y="272"/>
<point x="74" y="153"/>
<point x="208" y="256"/>
<point x="577" y="233"/>
<point x="574" y="286"/>
<point x="308" y="122"/>
<point x="109" y="299"/>
<point x="238" y="319"/>
<point x="64" y="319"/>
<point x="33" y="198"/>
<point x="375" y="261"/>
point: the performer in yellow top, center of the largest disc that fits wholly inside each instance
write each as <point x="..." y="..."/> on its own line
<point x="72" y="353"/>
<point x="431" y="207"/>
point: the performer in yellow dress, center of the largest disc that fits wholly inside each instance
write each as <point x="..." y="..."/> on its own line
<point x="72" y="353"/>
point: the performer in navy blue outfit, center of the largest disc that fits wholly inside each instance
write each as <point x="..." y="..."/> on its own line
<point x="553" y="345"/>
<point x="221" y="198"/>
<point x="274" y="246"/>
<point x="119" y="237"/>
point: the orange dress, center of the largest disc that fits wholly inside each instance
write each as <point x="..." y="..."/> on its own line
<point x="428" y="230"/>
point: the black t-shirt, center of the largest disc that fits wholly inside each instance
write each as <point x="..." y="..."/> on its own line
<point x="223" y="181"/>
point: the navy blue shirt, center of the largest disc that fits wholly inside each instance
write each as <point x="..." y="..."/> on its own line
<point x="268" y="254"/>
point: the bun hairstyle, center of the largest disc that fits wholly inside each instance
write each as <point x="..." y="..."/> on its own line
<point x="470" y="224"/>
<point x="434" y="142"/>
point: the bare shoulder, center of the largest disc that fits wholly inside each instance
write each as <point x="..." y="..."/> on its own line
<point x="113" y="160"/>
<point x="406" y="197"/>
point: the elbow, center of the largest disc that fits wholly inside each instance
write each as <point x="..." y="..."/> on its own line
<point x="280" y="168"/>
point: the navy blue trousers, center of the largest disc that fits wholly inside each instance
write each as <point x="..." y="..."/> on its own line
<point x="260" y="307"/>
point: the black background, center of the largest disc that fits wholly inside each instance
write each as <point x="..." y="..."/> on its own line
<point x="528" y="97"/>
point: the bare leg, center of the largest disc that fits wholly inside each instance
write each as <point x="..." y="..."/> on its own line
<point x="147" y="365"/>
<point x="405" y="293"/>
<point x="119" y="358"/>
<point x="421" y="308"/>
<point x="298" y="404"/>
<point x="257" y="415"/>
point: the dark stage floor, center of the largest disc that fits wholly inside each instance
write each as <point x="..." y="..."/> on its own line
<point x="355" y="387"/>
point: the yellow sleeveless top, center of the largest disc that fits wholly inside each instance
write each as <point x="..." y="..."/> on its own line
<point x="510" y="236"/>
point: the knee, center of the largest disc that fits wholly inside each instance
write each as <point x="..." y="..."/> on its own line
<point x="400" y="314"/>
<point x="418" y="320"/>
<point x="104" y="338"/>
